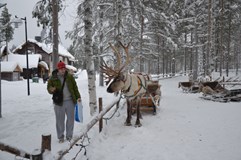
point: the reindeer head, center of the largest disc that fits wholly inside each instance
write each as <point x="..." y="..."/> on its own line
<point x="117" y="84"/>
<point x="115" y="76"/>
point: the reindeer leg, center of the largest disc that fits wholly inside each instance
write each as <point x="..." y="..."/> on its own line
<point x="154" y="109"/>
<point x="129" y="112"/>
<point x="138" y="123"/>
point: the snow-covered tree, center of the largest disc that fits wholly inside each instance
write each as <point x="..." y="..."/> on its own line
<point x="43" y="11"/>
<point x="7" y="31"/>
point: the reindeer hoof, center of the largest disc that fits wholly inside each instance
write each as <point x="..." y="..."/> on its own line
<point x="138" y="125"/>
<point x="127" y="124"/>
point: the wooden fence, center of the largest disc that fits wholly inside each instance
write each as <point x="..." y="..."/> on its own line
<point x="46" y="139"/>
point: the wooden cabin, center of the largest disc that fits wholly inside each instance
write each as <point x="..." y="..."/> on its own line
<point x="10" y="71"/>
<point x="45" y="64"/>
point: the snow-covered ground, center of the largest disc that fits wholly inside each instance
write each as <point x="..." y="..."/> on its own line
<point x="185" y="127"/>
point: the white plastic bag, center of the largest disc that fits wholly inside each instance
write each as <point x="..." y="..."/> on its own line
<point x="78" y="112"/>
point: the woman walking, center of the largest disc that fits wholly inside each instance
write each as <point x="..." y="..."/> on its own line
<point x="62" y="82"/>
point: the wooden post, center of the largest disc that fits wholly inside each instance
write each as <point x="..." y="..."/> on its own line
<point x="101" y="119"/>
<point x="46" y="142"/>
<point x="85" y="130"/>
<point x="37" y="155"/>
<point x="223" y="82"/>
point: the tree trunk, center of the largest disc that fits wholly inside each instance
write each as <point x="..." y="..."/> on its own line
<point x="229" y="42"/>
<point x="119" y="17"/>
<point x="89" y="53"/>
<point x="185" y="54"/>
<point x="207" y="68"/>
<point x="204" y="58"/>
<point x="191" y="54"/>
<point x="101" y="77"/>
<point x="55" y="34"/>
<point x="163" y="58"/>
<point x="221" y="41"/>
<point x="195" y="73"/>
<point x="141" y="40"/>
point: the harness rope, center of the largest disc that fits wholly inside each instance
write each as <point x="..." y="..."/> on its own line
<point x="117" y="107"/>
<point x="140" y="84"/>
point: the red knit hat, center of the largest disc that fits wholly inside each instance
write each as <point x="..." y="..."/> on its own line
<point x="61" y="65"/>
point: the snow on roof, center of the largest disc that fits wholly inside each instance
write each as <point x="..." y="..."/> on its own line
<point x="10" y="66"/>
<point x="44" y="64"/>
<point x="48" y="48"/>
<point x="33" y="60"/>
<point x="41" y="45"/>
<point x="70" y="67"/>
<point x="63" y="52"/>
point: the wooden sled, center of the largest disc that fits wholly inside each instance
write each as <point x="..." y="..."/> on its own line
<point x="149" y="101"/>
<point x="228" y="96"/>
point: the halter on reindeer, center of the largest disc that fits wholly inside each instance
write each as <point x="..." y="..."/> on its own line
<point x="132" y="86"/>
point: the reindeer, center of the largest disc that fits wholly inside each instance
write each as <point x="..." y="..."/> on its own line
<point x="132" y="86"/>
<point x="206" y="90"/>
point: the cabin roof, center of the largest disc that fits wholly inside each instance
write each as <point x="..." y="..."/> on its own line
<point x="10" y="67"/>
<point x="33" y="60"/>
<point x="48" y="48"/>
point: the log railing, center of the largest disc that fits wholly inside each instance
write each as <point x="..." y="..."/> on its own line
<point x="88" y="127"/>
<point x="46" y="139"/>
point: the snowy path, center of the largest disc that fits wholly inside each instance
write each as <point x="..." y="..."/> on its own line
<point x="185" y="128"/>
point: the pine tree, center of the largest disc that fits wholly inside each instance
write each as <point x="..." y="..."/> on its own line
<point x="7" y="30"/>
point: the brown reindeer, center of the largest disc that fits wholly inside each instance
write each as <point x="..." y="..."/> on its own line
<point x="206" y="90"/>
<point x="132" y="86"/>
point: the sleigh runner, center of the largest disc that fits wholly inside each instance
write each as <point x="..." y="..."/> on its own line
<point x="233" y="95"/>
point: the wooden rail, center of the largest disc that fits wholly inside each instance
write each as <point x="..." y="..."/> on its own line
<point x="35" y="155"/>
<point x="46" y="139"/>
<point x="14" y="150"/>
<point x="61" y="153"/>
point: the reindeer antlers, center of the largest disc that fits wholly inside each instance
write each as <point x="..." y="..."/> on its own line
<point x="110" y="72"/>
<point x="118" y="56"/>
<point x="126" y="52"/>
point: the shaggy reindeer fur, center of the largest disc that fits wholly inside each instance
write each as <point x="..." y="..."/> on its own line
<point x="206" y="90"/>
<point x="133" y="87"/>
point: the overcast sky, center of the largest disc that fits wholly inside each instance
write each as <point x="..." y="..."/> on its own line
<point x="23" y="8"/>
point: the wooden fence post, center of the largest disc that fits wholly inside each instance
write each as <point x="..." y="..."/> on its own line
<point x="101" y="119"/>
<point x="37" y="155"/>
<point x="46" y="142"/>
<point x="87" y="127"/>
